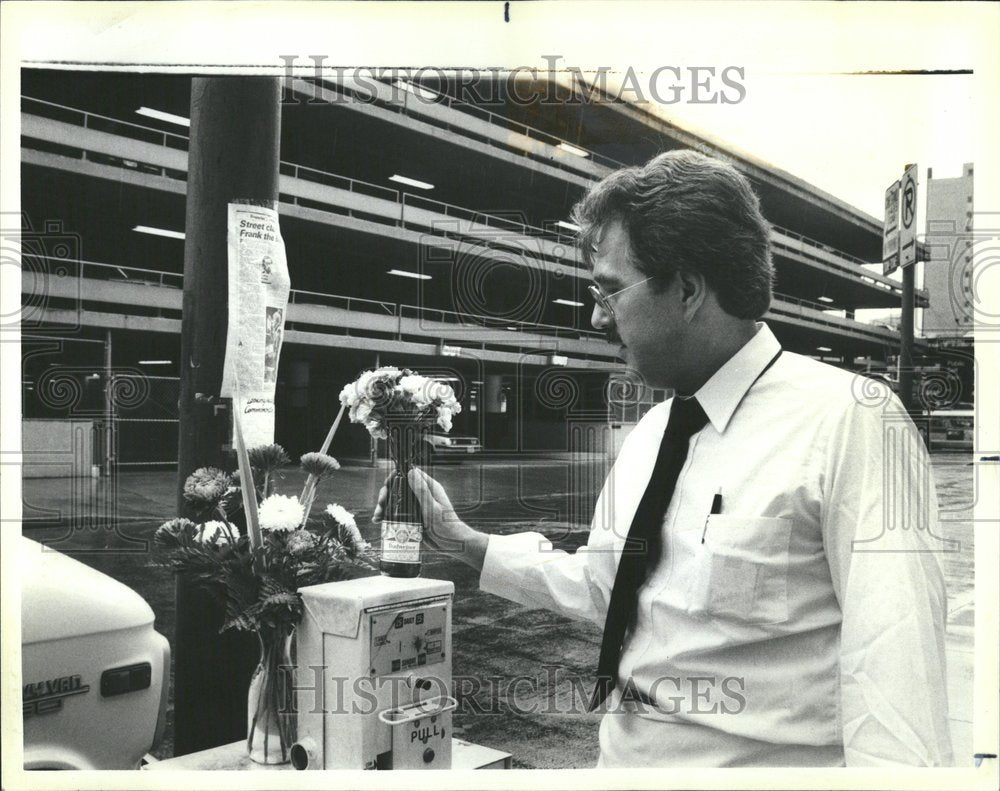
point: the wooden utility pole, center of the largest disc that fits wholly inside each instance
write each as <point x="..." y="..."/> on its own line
<point x="233" y="157"/>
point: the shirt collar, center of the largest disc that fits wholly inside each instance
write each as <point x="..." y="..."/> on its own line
<point x="721" y="394"/>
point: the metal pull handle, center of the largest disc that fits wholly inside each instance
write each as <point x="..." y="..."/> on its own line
<point x="425" y="708"/>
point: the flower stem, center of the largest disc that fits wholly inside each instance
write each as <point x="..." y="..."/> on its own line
<point x="267" y="715"/>
<point x="309" y="489"/>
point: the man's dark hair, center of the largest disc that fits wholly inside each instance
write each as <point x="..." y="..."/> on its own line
<point x="684" y="210"/>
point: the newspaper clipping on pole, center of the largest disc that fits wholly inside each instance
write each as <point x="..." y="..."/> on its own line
<point x="258" y="298"/>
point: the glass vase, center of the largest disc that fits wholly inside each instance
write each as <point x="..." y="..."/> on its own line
<point x="270" y="721"/>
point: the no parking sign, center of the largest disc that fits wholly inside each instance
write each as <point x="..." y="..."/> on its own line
<point x="908" y="217"/>
<point x="890" y="236"/>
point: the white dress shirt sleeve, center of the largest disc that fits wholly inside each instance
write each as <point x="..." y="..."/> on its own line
<point x="525" y="568"/>
<point x="880" y="529"/>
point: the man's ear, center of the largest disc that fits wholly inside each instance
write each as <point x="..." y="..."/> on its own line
<point x="693" y="290"/>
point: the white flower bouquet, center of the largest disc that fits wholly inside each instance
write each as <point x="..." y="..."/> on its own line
<point x="384" y="396"/>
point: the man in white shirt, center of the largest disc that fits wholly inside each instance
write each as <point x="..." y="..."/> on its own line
<point x="792" y="611"/>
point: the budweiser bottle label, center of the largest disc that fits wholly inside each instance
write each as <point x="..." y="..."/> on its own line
<point x="401" y="541"/>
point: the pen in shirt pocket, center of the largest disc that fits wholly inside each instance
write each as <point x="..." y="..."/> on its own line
<point x="714" y="511"/>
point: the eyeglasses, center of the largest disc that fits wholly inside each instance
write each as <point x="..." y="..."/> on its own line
<point x="604" y="300"/>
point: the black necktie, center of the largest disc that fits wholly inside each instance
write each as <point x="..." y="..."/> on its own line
<point x="642" y="545"/>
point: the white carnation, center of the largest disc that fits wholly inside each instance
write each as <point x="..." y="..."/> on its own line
<point x="444" y="418"/>
<point x="444" y="393"/>
<point x="341" y="515"/>
<point x="375" y="429"/>
<point x="360" y="412"/>
<point x="349" y="395"/>
<point x="418" y="388"/>
<point x="280" y="512"/>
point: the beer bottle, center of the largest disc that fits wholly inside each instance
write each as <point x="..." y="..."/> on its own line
<point x="402" y="521"/>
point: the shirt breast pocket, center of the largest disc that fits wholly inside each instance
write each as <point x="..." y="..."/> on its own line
<point x="740" y="573"/>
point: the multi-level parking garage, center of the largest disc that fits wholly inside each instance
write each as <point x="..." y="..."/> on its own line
<point x="467" y="269"/>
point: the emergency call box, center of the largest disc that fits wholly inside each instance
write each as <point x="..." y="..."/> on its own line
<point x="373" y="659"/>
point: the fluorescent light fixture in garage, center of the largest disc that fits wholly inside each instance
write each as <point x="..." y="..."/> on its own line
<point x="823" y="349"/>
<point x="159" y="231"/>
<point x="423" y="185"/>
<point x="577" y="152"/>
<point x="824" y="299"/>
<point x="156" y="362"/>
<point x="568" y="226"/>
<point x="414" y="275"/>
<point x="569" y="302"/>
<point x="159" y="115"/>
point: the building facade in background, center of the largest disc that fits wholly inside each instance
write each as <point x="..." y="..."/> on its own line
<point x="422" y="228"/>
<point x="948" y="268"/>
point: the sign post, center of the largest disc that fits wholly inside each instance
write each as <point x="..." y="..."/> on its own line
<point x="907" y="260"/>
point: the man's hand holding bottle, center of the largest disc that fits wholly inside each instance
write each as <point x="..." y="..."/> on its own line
<point x="443" y="530"/>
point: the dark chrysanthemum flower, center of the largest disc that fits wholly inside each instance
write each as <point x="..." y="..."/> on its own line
<point x="171" y="531"/>
<point x="268" y="458"/>
<point x="206" y="486"/>
<point x="300" y="541"/>
<point x="319" y="464"/>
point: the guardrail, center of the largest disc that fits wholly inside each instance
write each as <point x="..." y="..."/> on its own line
<point x="302" y="297"/>
<point x="104" y="123"/>
<point x="806" y="303"/>
<point x="784" y="304"/>
<point x="169" y="139"/>
<point x="871" y="331"/>
<point x="126" y="274"/>
<point x="495" y="119"/>
<point x="95" y="270"/>
<point x="810" y="247"/>
<point x="101" y="271"/>
<point x="495" y="221"/>
<point x="852" y="265"/>
<point x="341" y="182"/>
<point x="465" y="319"/>
<point x="814" y="244"/>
